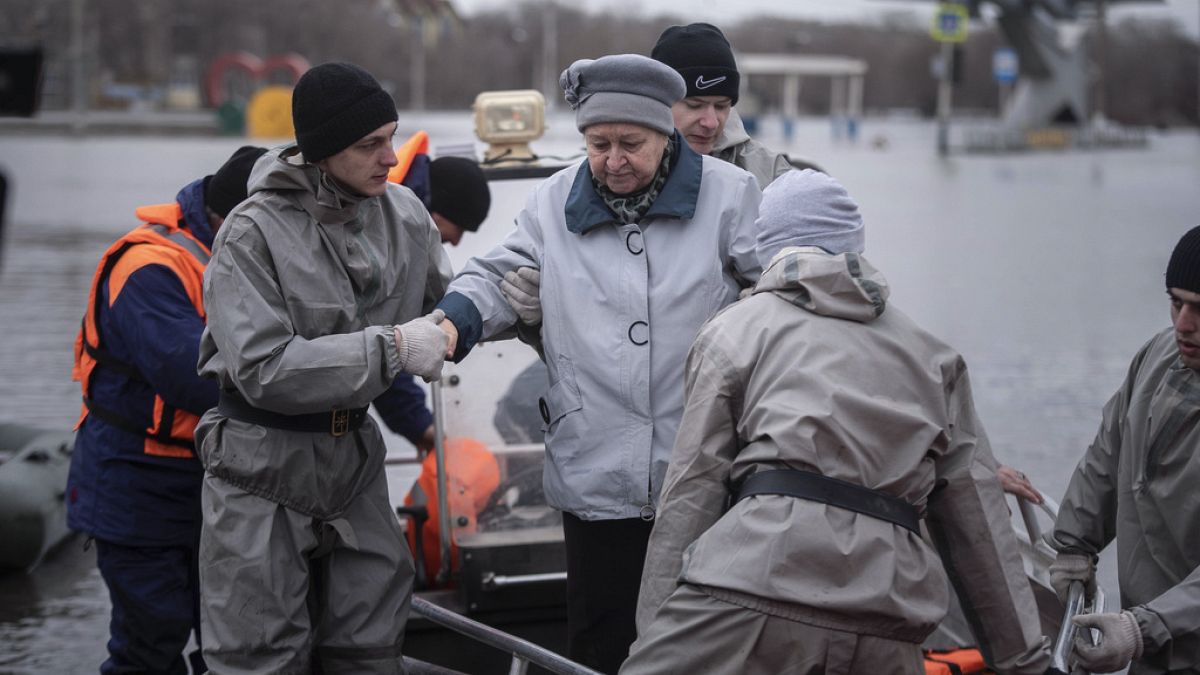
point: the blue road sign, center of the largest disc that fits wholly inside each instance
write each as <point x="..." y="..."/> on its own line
<point x="950" y="23"/>
<point x="1005" y="65"/>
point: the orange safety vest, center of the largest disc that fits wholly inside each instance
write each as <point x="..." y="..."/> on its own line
<point x="955" y="662"/>
<point x="159" y="241"/>
<point x="473" y="475"/>
<point x="417" y="144"/>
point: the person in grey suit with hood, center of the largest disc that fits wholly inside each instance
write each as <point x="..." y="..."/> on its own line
<point x="821" y="427"/>
<point x="1136" y="485"/>
<point x="318" y="295"/>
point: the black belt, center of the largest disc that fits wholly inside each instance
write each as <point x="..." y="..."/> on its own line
<point x="334" y="422"/>
<point x="817" y="488"/>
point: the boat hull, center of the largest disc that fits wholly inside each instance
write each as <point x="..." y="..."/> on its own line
<point x="33" y="478"/>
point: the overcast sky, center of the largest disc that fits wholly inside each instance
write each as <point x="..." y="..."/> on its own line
<point x="1187" y="12"/>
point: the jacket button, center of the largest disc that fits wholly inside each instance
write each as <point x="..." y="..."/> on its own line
<point x="635" y="247"/>
<point x="643" y="333"/>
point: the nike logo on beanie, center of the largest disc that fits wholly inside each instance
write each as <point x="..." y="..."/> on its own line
<point x="702" y="83"/>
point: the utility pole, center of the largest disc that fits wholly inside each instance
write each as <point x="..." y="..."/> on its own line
<point x="550" y="90"/>
<point x="416" y="71"/>
<point x="79" y="85"/>
<point x="1099" y="109"/>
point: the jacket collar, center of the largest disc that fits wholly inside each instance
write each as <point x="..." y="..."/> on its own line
<point x="585" y="210"/>
<point x="845" y="286"/>
<point x="191" y="201"/>
<point x="732" y="135"/>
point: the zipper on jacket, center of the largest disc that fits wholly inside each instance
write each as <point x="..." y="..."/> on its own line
<point x="647" y="513"/>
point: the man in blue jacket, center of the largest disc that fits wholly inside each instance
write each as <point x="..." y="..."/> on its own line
<point x="134" y="485"/>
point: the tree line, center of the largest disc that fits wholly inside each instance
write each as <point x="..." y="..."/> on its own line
<point x="1150" y="76"/>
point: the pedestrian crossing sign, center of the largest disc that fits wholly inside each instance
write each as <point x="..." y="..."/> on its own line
<point x="949" y="23"/>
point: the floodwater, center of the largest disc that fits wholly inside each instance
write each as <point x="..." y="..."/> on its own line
<point x="1043" y="269"/>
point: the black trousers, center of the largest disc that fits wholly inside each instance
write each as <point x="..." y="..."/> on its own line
<point x="604" y="572"/>
<point x="155" y="607"/>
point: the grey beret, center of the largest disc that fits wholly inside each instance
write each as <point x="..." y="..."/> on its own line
<point x="807" y="208"/>
<point x="622" y="88"/>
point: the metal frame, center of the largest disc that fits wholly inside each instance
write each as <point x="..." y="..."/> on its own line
<point x="523" y="652"/>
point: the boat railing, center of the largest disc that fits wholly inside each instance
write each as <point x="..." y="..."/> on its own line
<point x="523" y="652"/>
<point x="1076" y="603"/>
<point x="1029" y="515"/>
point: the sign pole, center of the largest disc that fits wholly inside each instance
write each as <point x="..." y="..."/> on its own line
<point x="949" y="27"/>
<point x="945" y="91"/>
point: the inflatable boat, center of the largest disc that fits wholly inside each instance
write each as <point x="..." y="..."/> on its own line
<point x="33" y="476"/>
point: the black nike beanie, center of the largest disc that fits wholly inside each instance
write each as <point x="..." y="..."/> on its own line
<point x="702" y="55"/>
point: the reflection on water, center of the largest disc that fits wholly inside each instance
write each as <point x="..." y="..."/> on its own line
<point x="1044" y="270"/>
<point x="54" y="619"/>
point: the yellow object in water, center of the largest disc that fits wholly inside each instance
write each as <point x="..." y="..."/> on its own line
<point x="1048" y="138"/>
<point x="269" y="114"/>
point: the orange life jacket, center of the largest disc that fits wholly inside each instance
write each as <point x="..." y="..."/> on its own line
<point x="417" y="144"/>
<point x="955" y="662"/>
<point x="473" y="475"/>
<point x="159" y="241"/>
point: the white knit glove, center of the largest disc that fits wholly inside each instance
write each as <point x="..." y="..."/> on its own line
<point x="1068" y="567"/>
<point x="422" y="345"/>
<point x="522" y="291"/>
<point x="1120" y="641"/>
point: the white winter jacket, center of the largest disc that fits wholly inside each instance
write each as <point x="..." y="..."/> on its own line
<point x="621" y="305"/>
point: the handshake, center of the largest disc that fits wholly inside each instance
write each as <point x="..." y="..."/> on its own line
<point x="425" y="343"/>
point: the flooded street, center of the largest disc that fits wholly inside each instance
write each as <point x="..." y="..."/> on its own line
<point x="1045" y="270"/>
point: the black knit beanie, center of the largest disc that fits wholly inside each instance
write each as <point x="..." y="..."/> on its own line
<point x="702" y="55"/>
<point x="459" y="191"/>
<point x="226" y="188"/>
<point x="336" y="104"/>
<point x="1184" y="269"/>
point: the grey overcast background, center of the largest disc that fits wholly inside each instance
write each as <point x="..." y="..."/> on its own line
<point x="1186" y="12"/>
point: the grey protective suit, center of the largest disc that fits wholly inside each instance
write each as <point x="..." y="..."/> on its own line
<point x="1139" y="483"/>
<point x="301" y="557"/>
<point x="736" y="147"/>
<point x="812" y="373"/>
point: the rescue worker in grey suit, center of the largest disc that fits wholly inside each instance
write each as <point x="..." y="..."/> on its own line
<point x="1137" y="484"/>
<point x="706" y="116"/>
<point x="303" y="566"/>
<point x="816" y="379"/>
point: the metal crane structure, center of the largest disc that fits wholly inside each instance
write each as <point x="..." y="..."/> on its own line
<point x="1055" y="75"/>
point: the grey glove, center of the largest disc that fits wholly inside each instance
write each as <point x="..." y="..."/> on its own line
<point x="1068" y="567"/>
<point x="422" y="345"/>
<point x="1120" y="641"/>
<point x="522" y="291"/>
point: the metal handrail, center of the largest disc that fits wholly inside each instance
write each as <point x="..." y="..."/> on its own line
<point x="1066" y="632"/>
<point x="492" y="581"/>
<point x="439" y="449"/>
<point x="523" y="652"/>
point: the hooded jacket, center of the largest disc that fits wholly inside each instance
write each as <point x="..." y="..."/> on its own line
<point x="735" y="146"/>
<point x="621" y="304"/>
<point x="815" y="372"/>
<point x="302" y="292"/>
<point x="1137" y="484"/>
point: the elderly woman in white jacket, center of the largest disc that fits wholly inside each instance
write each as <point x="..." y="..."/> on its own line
<point x="635" y="248"/>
